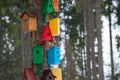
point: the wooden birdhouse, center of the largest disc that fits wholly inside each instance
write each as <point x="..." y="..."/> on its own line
<point x="47" y="7"/>
<point x="55" y="5"/>
<point x="47" y="75"/>
<point x="54" y="26"/>
<point x="57" y="72"/>
<point x="29" y="74"/>
<point x="53" y="55"/>
<point x="46" y="34"/>
<point x="38" y="53"/>
<point x="29" y="23"/>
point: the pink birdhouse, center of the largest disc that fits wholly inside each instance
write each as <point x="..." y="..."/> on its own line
<point x="29" y="74"/>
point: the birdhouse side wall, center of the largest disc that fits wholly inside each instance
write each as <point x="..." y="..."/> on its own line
<point x="25" y="22"/>
<point x="51" y="56"/>
<point x="32" y="24"/>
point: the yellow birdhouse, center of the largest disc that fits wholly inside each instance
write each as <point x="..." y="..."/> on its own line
<point x="57" y="72"/>
<point x="29" y="23"/>
<point x="54" y="26"/>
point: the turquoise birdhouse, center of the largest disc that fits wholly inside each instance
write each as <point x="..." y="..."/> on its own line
<point x="54" y="55"/>
<point x="47" y="7"/>
<point x="38" y="54"/>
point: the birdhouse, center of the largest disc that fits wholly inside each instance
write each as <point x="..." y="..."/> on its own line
<point x="46" y="34"/>
<point x="55" y="5"/>
<point x="29" y="23"/>
<point x="54" y="26"/>
<point x="38" y="54"/>
<point x="29" y="74"/>
<point x="47" y="75"/>
<point x="57" y="72"/>
<point x="54" y="55"/>
<point x="47" y="7"/>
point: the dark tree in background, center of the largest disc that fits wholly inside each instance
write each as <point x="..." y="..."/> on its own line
<point x="10" y="50"/>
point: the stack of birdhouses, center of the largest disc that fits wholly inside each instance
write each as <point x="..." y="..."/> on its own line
<point x="49" y="30"/>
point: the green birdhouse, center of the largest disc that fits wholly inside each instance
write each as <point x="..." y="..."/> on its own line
<point x="47" y="7"/>
<point x="38" y="53"/>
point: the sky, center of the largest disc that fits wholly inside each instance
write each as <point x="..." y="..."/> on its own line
<point x="106" y="45"/>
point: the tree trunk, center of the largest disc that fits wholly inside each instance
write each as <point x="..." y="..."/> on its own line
<point x="28" y="41"/>
<point x="88" y="68"/>
<point x="110" y="32"/>
<point x="26" y="49"/>
<point x="99" y="39"/>
<point x="89" y="24"/>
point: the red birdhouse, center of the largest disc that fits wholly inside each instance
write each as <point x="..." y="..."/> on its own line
<point x="47" y="75"/>
<point x="46" y="34"/>
<point x="29" y="74"/>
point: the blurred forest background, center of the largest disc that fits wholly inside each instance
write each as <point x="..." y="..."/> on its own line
<point x="80" y="39"/>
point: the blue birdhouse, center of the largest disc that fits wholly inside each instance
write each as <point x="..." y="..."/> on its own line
<point x="54" y="55"/>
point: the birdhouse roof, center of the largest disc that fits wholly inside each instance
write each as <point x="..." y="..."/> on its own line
<point x="28" y="14"/>
<point x="46" y="73"/>
<point x="29" y="73"/>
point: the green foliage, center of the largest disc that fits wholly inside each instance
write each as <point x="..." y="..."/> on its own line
<point x="118" y="13"/>
<point x="74" y="30"/>
<point x="11" y="67"/>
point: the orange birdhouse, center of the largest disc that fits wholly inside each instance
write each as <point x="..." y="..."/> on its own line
<point x="29" y="74"/>
<point x="46" y="34"/>
<point x="29" y="23"/>
<point x="55" y="5"/>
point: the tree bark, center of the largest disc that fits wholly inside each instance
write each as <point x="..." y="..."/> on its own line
<point x="110" y="32"/>
<point x="89" y="24"/>
<point x="99" y="39"/>
<point x="26" y="49"/>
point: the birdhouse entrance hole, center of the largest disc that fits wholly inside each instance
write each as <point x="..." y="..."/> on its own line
<point x="48" y="34"/>
<point x="25" y="77"/>
<point x="49" y="5"/>
<point x="37" y="51"/>
<point x="50" y="78"/>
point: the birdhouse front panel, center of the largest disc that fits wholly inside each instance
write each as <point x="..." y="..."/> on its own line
<point x="46" y="34"/>
<point x="57" y="72"/>
<point x="47" y="75"/>
<point x="29" y="74"/>
<point x="54" y="55"/>
<point x="55" y="5"/>
<point x="29" y="22"/>
<point x="54" y="26"/>
<point x="25" y="22"/>
<point x="38" y="54"/>
<point x="47" y="7"/>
